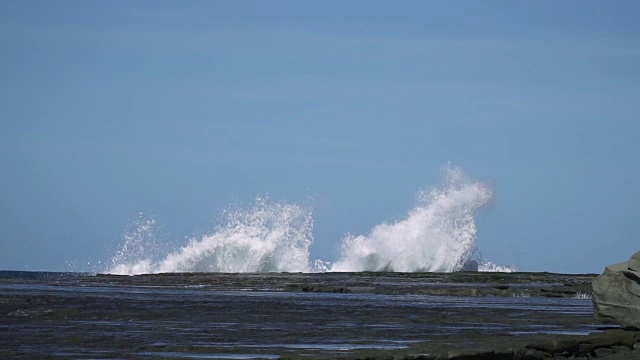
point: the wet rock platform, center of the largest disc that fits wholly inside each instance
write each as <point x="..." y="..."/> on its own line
<point x="465" y="315"/>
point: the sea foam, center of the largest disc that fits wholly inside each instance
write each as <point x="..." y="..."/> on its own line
<point x="269" y="237"/>
<point x="438" y="234"/>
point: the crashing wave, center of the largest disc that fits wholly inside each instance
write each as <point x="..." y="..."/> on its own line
<point x="437" y="235"/>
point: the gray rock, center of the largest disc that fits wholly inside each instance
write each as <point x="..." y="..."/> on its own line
<point x="470" y="265"/>
<point x="616" y="294"/>
<point x="536" y="355"/>
<point x="634" y="262"/>
<point x="602" y="352"/>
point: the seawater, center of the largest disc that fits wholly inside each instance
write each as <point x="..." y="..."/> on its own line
<point x="437" y="235"/>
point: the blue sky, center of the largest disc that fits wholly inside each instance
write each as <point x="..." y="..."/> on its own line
<point x="176" y="109"/>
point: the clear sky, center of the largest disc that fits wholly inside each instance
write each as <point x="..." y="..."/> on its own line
<point x="178" y="108"/>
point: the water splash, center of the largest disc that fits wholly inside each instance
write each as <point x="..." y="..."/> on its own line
<point x="267" y="237"/>
<point x="488" y="266"/>
<point x="437" y="235"/>
<point x="139" y="248"/>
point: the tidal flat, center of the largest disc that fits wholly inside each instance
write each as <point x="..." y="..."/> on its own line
<point x="464" y="315"/>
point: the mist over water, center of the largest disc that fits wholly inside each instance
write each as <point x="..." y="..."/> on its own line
<point x="438" y="234"/>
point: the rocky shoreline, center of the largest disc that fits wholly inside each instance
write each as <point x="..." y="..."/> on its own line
<point x="610" y="344"/>
<point x="540" y="284"/>
<point x="167" y="316"/>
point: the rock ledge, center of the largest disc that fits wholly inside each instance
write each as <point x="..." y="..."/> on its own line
<point x="616" y="294"/>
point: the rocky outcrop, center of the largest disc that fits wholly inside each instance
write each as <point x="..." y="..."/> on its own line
<point x="616" y="293"/>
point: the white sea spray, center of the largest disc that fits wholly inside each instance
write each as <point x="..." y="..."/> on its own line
<point x="437" y="235"/>
<point x="269" y="236"/>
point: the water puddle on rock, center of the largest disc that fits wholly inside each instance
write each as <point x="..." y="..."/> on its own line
<point x="186" y="355"/>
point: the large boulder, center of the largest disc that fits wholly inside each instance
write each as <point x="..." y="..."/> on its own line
<point x="616" y="294"/>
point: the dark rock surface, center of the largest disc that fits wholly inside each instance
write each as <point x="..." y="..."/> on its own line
<point x="616" y="294"/>
<point x="459" y="316"/>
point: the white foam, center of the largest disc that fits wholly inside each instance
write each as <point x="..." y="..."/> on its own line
<point x="268" y="237"/>
<point x="488" y="266"/>
<point x="138" y="245"/>
<point x="437" y="235"/>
